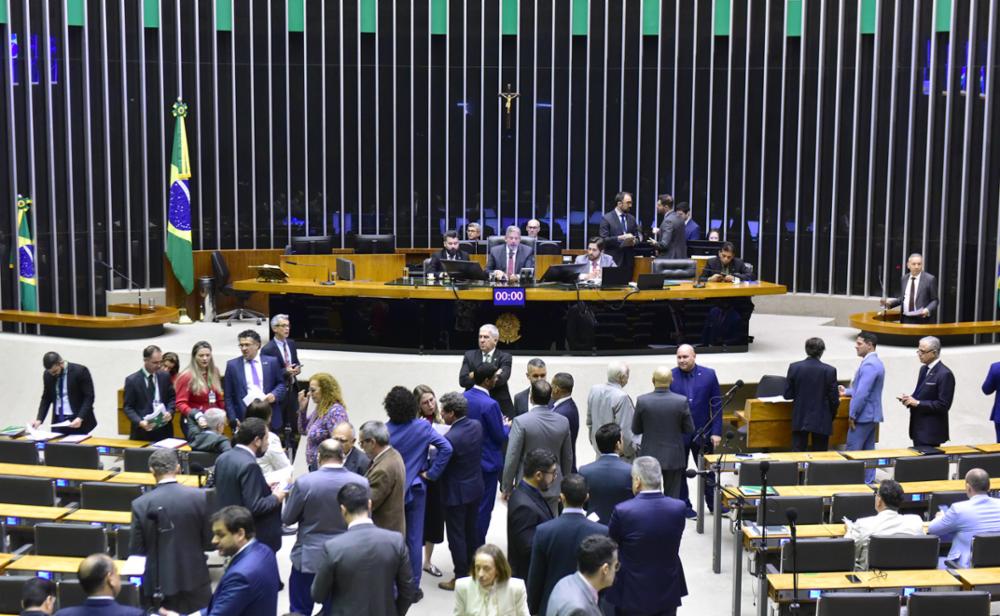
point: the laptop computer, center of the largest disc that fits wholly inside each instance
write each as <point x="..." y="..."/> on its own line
<point x="614" y="277"/>
<point x="647" y="282"/>
<point x="464" y="270"/>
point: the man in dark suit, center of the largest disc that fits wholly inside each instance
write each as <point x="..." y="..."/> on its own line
<point x="931" y="399"/>
<point x="255" y="375"/>
<point x="725" y="267"/>
<point x="387" y="477"/>
<point x="526" y="509"/>
<point x="507" y="260"/>
<point x="489" y="353"/>
<point x="249" y="587"/>
<point x="991" y="385"/>
<point x="596" y="566"/>
<point x="170" y="528"/>
<point x="69" y="390"/>
<point x="918" y="293"/>
<point x="609" y="477"/>
<point x="539" y="428"/>
<point x="556" y="542"/>
<point x="663" y="418"/>
<point x="150" y="391"/>
<point x="450" y="252"/>
<point x="486" y="411"/>
<point x="355" y="459"/>
<point x="812" y="387"/>
<point x="38" y="597"/>
<point x="620" y="232"/>
<point x="668" y="235"/>
<point x="365" y="570"/>
<point x="648" y="531"/>
<point x="692" y="231"/>
<point x="535" y="370"/>
<point x="563" y="404"/>
<point x="239" y="481"/>
<point x="283" y="349"/>
<point x="461" y="483"/>
<point x="100" y="580"/>
<point x="312" y="504"/>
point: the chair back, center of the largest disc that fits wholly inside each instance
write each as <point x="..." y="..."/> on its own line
<point x="72" y="456"/>
<point x="966" y="603"/>
<point x="851" y="506"/>
<point x="810" y="509"/>
<point x="989" y="462"/>
<point x="939" y="499"/>
<point x="136" y="460"/>
<point x="69" y="593"/>
<point x="11" y="587"/>
<point x="858" y="604"/>
<point x="28" y="490"/>
<point x="830" y="473"/>
<point x="220" y="269"/>
<point x="986" y="550"/>
<point x="18" y="452"/>
<point x="903" y="552"/>
<point x="79" y="540"/>
<point x="205" y="458"/>
<point x="108" y="496"/>
<point x="674" y="269"/>
<point x="495" y="240"/>
<point x="921" y="468"/>
<point x="780" y="474"/>
<point x="816" y="555"/>
<point x="771" y="385"/>
<point x="123" y="536"/>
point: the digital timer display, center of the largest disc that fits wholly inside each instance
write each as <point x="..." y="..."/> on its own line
<point x="508" y="296"/>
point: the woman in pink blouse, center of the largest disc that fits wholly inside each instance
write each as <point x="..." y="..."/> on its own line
<point x="320" y="409"/>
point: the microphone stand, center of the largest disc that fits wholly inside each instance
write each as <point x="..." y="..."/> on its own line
<point x="762" y="550"/>
<point x="157" y="517"/>
<point x="793" y="608"/>
<point x="698" y="438"/>
<point x="716" y="469"/>
<point x="127" y="279"/>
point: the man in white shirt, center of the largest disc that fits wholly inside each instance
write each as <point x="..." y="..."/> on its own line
<point x="918" y="293"/>
<point x="964" y="520"/>
<point x="596" y="260"/>
<point x="888" y="521"/>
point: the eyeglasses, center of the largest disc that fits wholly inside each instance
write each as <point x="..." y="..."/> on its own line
<point x="923" y="351"/>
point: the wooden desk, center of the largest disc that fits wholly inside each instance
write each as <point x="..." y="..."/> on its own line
<point x="880" y="457"/>
<point x="769" y="424"/>
<point x="370" y="268"/>
<point x="812" y="584"/>
<point x="732" y="461"/>
<point x="143" y="322"/>
<point x="954" y="451"/>
<point x="101" y="516"/>
<point x="147" y="479"/>
<point x="59" y="566"/>
<point x="752" y="535"/>
<point x="5" y="559"/>
<point x="70" y="475"/>
<point x="983" y="578"/>
<point x="988" y="448"/>
<point x="889" y="324"/>
<point x="26" y="514"/>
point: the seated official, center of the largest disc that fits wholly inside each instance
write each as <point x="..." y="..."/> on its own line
<point x="596" y="566"/>
<point x="596" y="260"/>
<point x="725" y="267"/>
<point x="490" y="589"/>
<point x="450" y="252"/>
<point x="888" y="521"/>
<point x="533" y="228"/>
<point x="149" y="399"/>
<point x="38" y="597"/>
<point x="507" y="260"/>
<point x="211" y="439"/>
<point x="964" y="520"/>
<point x="69" y="390"/>
<point x="100" y="580"/>
<point x="918" y="293"/>
<point x="473" y="232"/>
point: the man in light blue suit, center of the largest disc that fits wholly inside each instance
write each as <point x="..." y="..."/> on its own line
<point x="486" y="410"/>
<point x="576" y="594"/>
<point x="252" y="372"/>
<point x="966" y="519"/>
<point x="866" y="397"/>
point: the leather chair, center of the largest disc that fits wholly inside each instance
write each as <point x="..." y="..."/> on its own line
<point x="903" y="552"/>
<point x="966" y="603"/>
<point x="830" y="473"/>
<point x="771" y="385"/>
<point x="224" y="286"/>
<point x="921" y="468"/>
<point x="18" y="452"/>
<point x="495" y="240"/>
<point x="810" y="510"/>
<point x="851" y="506"/>
<point x="674" y="269"/>
<point x="989" y="462"/>
<point x="72" y="456"/>
<point x="858" y="604"/>
<point x="818" y="555"/>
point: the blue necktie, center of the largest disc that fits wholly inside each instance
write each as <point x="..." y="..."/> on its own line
<point x="920" y="381"/>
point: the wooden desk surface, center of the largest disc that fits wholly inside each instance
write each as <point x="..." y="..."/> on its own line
<point x="988" y="448"/>
<point x="781" y="456"/>
<point x="874" y="454"/>
<point x="959" y="450"/>
<point x="919" y="578"/>
<point x="55" y="564"/>
<point x="33" y="512"/>
<point x="146" y="479"/>
<point x="54" y="472"/>
<point x="983" y="576"/>
<point x="875" y="322"/>
<point x="824" y="491"/>
<point x="100" y="515"/>
<point x="5" y="560"/>
<point x="117" y="443"/>
<point x="803" y="531"/>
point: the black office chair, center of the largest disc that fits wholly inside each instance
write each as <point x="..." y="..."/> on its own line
<point x="851" y="506"/>
<point x="69" y="593"/>
<point x="205" y="458"/>
<point x="817" y="555"/>
<point x="11" y="587"/>
<point x="903" y="552"/>
<point x="72" y="456"/>
<point x="989" y="462"/>
<point x="921" y="468"/>
<point x="18" y="452"/>
<point x="495" y="240"/>
<point x="771" y="385"/>
<point x="224" y="285"/>
<point x="674" y="269"/>
<point x="123" y="536"/>
<point x="780" y="474"/>
<point x="938" y="499"/>
<point x="28" y="490"/>
<point x="966" y="603"/>
<point x="108" y="496"/>
<point x="810" y="509"/>
<point x="831" y="473"/>
<point x="136" y="459"/>
<point x="80" y="540"/>
<point x="129" y="595"/>
<point x="986" y="550"/>
<point x="858" y="604"/>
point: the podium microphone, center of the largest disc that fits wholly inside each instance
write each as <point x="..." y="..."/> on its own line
<point x="792" y="515"/>
<point x="738" y="384"/>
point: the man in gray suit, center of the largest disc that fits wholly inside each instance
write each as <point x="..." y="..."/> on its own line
<point x="608" y="403"/>
<point x="539" y="428"/>
<point x="668" y="235"/>
<point x="505" y="262"/>
<point x="596" y="565"/>
<point x="663" y="418"/>
<point x="365" y="570"/>
<point x="312" y="504"/>
<point x="918" y="293"/>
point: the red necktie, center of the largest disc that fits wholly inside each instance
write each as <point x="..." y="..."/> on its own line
<point x="284" y="351"/>
<point x="510" y="262"/>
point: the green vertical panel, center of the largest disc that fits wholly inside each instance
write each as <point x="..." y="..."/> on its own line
<point x="224" y="15"/>
<point x="723" y="17"/>
<point x="581" y="17"/>
<point x="439" y="16"/>
<point x="650" y="17"/>
<point x="296" y="16"/>
<point x="74" y="12"/>
<point x="367" y="9"/>
<point x="942" y="19"/>
<point x="793" y="18"/>
<point x="869" y="15"/>
<point x="508" y="16"/>
<point x="151" y="13"/>
<point x="3" y="11"/>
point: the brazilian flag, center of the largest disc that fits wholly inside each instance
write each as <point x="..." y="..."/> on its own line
<point x="26" y="276"/>
<point x="179" y="216"/>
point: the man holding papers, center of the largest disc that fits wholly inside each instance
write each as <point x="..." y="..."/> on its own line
<point x="69" y="390"/>
<point x="253" y="377"/>
<point x="149" y="399"/>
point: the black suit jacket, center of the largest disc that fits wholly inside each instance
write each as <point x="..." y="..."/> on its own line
<point x="462" y="480"/>
<point x="138" y="404"/>
<point x="442" y="255"/>
<point x="357" y="461"/>
<point x="929" y="419"/>
<point x="79" y="388"/>
<point x="526" y="509"/>
<point x="501" y="393"/>
<point x="926" y="297"/>
<point x="521" y="402"/>
<point x="610" y="481"/>
<point x="610" y="229"/>
<point x="663" y="418"/>
<point x="239" y="481"/>
<point x="553" y="555"/>
<point x="714" y="266"/>
<point x="572" y="414"/>
<point x="812" y="386"/>
<point x="497" y="260"/>
<point x="290" y="403"/>
<point x="184" y="535"/>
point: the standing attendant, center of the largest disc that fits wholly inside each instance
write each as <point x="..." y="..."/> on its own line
<point x="253" y="377"/>
<point x="147" y="391"/>
<point x="990" y="386"/>
<point x="866" y="397"/>
<point x="931" y="400"/>
<point x="620" y="232"/>
<point x="488" y="353"/>
<point x="199" y="387"/>
<point x="663" y="420"/>
<point x="692" y="231"/>
<point x="918" y="298"/>
<point x="536" y="370"/>
<point x="668" y="235"/>
<point x="283" y="349"/>
<point x="563" y="404"/>
<point x="486" y="411"/>
<point x="69" y="390"/>
<point x="320" y="409"/>
<point x="700" y="386"/>
<point x="812" y="387"/>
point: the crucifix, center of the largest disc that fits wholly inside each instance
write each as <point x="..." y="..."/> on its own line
<point x="508" y="96"/>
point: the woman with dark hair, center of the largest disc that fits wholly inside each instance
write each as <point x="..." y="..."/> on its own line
<point x="171" y="364"/>
<point x="428" y="410"/>
<point x="490" y="589"/>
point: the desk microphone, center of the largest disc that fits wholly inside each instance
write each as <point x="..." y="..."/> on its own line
<point x="691" y="473"/>
<point x="732" y="390"/>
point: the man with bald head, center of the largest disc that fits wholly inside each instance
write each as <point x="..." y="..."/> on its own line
<point x="355" y="459"/>
<point x="966" y="519"/>
<point x="701" y="388"/>
<point x="609" y="403"/>
<point x="533" y="228"/>
<point x="99" y="579"/>
<point x="662" y="418"/>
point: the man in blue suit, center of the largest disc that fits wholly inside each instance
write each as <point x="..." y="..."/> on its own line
<point x="812" y="387"/>
<point x="966" y="519"/>
<point x="692" y="231"/>
<point x="100" y="580"/>
<point x="648" y="531"/>
<point x="990" y="386"/>
<point x="461" y="483"/>
<point x="700" y="386"/>
<point x="609" y="478"/>
<point x="931" y="400"/>
<point x="486" y="411"/>
<point x="866" y="397"/>
<point x="556" y="542"/>
<point x="562" y="403"/>
<point x="283" y="349"/>
<point x="253" y="374"/>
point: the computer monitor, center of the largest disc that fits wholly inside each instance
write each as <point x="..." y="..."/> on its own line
<point x="548" y="247"/>
<point x="345" y="269"/>
<point x="569" y="273"/>
<point x="464" y="270"/>
<point x="312" y="245"/>
<point x="703" y="247"/>
<point x="372" y="244"/>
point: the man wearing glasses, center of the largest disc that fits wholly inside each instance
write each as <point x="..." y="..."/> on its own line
<point x="931" y="399"/>
<point x="355" y="460"/>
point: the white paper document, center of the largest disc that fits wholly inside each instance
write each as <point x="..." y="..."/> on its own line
<point x="774" y="399"/>
<point x="63" y="424"/>
<point x="253" y="394"/>
<point x="134" y="565"/>
<point x="41" y="435"/>
<point x="73" y="438"/>
<point x="170" y="443"/>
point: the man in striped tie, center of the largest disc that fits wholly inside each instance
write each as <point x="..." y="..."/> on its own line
<point x="506" y="261"/>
